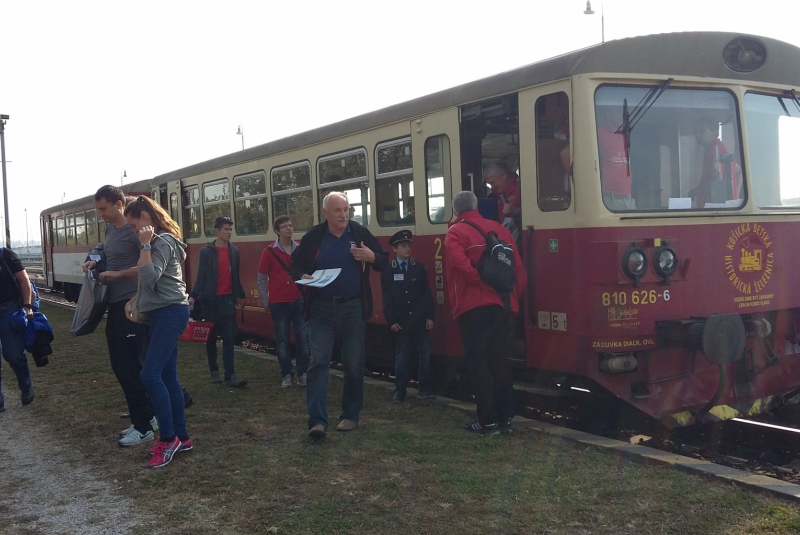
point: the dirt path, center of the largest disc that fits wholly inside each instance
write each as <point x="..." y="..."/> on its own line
<point x="46" y="489"/>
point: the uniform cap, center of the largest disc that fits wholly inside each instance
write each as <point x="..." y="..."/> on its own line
<point x="399" y="237"/>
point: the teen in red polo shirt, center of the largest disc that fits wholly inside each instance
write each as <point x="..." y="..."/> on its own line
<point x="281" y="296"/>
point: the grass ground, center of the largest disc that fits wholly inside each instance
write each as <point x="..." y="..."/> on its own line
<point x="405" y="469"/>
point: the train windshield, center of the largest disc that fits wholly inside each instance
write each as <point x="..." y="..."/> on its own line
<point x="668" y="149"/>
<point x="773" y="136"/>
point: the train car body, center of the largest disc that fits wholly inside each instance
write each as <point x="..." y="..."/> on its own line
<point x="659" y="266"/>
<point x="69" y="232"/>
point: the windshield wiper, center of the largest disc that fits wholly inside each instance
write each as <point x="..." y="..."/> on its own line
<point x="792" y="95"/>
<point x="630" y="120"/>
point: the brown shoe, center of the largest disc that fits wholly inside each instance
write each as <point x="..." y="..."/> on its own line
<point x="317" y="432"/>
<point x="346" y="425"/>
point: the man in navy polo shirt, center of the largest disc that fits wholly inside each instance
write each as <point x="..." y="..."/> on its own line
<point x="339" y="311"/>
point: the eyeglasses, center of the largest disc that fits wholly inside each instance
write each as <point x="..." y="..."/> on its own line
<point x="285" y="225"/>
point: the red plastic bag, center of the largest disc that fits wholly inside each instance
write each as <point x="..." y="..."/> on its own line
<point x="196" y="331"/>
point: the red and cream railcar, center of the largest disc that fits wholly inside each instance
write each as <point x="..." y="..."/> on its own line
<point x="69" y="232"/>
<point x="660" y="213"/>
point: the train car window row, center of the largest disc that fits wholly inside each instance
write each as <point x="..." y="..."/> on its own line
<point x="191" y="212"/>
<point x="250" y="203"/>
<point x="92" y="235"/>
<point x="394" y="183"/>
<point x="61" y="239"/>
<point x="292" y="194"/>
<point x="346" y="172"/>
<point x="216" y="203"/>
<point x="773" y="135"/>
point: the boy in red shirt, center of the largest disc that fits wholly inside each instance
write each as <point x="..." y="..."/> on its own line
<point x="219" y="289"/>
<point x="281" y="296"/>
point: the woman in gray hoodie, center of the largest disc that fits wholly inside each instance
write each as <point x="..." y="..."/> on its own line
<point x="162" y="295"/>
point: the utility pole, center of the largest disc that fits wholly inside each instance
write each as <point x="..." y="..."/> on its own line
<point x="3" y="119"/>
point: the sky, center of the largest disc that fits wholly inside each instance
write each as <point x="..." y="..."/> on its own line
<point x="94" y="89"/>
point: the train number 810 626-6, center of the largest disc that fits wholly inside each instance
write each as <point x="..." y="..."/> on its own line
<point x="636" y="297"/>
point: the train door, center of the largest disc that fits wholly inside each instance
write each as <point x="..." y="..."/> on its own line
<point x="159" y="194"/>
<point x="47" y="250"/>
<point x="545" y="121"/>
<point x="491" y="152"/>
<point x="437" y="171"/>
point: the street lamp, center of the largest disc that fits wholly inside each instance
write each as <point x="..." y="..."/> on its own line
<point x="123" y="175"/>
<point x="27" y="240"/>
<point x="240" y="132"/>
<point x="3" y="119"/>
<point x="602" y="18"/>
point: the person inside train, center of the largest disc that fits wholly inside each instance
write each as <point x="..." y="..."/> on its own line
<point x="408" y="309"/>
<point x="409" y="218"/>
<point x="161" y="296"/>
<point x="125" y="339"/>
<point x="219" y="290"/>
<point x="615" y="169"/>
<point x="717" y="164"/>
<point x="15" y="293"/>
<point x="283" y="299"/>
<point x="505" y="187"/>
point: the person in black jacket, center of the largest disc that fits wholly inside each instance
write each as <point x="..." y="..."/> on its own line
<point x="219" y="289"/>
<point x="338" y="311"/>
<point x="408" y="309"/>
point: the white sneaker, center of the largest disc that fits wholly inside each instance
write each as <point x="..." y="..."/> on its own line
<point x="135" y="437"/>
<point x="301" y="379"/>
<point x="153" y="424"/>
<point x="287" y="381"/>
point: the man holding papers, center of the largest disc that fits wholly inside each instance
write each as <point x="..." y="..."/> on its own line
<point x="339" y="310"/>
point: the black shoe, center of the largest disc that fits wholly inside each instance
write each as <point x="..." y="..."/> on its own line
<point x="27" y="396"/>
<point x="236" y="382"/>
<point x="317" y="432"/>
<point x="3" y="408"/>
<point x="485" y="430"/>
<point x="425" y="395"/>
<point x="398" y="397"/>
<point x="187" y="399"/>
<point x="505" y="426"/>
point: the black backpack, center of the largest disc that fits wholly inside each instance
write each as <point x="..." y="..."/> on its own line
<point x="496" y="266"/>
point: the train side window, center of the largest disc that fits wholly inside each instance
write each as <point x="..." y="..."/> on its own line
<point x="292" y="195"/>
<point x="394" y="183"/>
<point x="216" y="203"/>
<point x="437" y="178"/>
<point x="80" y="228"/>
<point x="250" y="203"/>
<point x="191" y="212"/>
<point x="70" y="229"/>
<point x="173" y="206"/>
<point x="553" y="167"/>
<point x="61" y="239"/>
<point x="346" y="172"/>
<point x="91" y="227"/>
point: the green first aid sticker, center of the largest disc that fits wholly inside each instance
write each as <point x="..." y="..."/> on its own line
<point x="553" y="246"/>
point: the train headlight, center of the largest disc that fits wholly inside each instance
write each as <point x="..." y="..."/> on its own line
<point x="634" y="263"/>
<point x="665" y="262"/>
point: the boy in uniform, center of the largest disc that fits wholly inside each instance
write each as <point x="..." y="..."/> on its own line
<point x="408" y="308"/>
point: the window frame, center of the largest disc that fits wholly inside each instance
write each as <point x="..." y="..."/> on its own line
<point x="187" y="209"/>
<point x="405" y="140"/>
<point x="445" y="157"/>
<point x="208" y="231"/>
<point x="236" y="199"/>
<point x="337" y="186"/>
<point x="274" y="192"/>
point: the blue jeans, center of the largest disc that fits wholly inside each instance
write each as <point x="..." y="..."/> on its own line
<point x="160" y="370"/>
<point x="404" y="343"/>
<point x="284" y="315"/>
<point x="330" y="323"/>
<point x="224" y="326"/>
<point x="13" y="348"/>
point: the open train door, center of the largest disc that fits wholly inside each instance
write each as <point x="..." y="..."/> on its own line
<point x="437" y="175"/>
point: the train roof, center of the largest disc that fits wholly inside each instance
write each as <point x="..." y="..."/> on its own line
<point x="133" y="187"/>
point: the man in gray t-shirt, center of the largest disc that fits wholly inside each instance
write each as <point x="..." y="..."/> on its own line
<point x="119" y="256"/>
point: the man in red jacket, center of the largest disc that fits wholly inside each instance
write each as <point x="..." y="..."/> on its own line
<point x="482" y="318"/>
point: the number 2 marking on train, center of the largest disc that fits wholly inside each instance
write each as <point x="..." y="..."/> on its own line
<point x="438" y="242"/>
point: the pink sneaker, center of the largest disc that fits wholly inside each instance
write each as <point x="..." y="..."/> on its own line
<point x="185" y="447"/>
<point x="164" y="451"/>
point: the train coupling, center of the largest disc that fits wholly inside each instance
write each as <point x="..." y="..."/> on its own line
<point x="721" y="337"/>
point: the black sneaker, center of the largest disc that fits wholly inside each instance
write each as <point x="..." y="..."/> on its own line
<point x="188" y="401"/>
<point x="398" y="397"/>
<point x="505" y="426"/>
<point x="425" y="395"/>
<point x="485" y="430"/>
<point x="27" y="396"/>
<point x="236" y="382"/>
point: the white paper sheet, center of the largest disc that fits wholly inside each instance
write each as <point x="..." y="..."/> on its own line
<point x="321" y="278"/>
